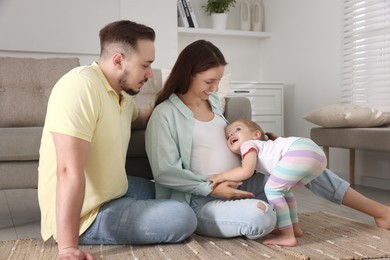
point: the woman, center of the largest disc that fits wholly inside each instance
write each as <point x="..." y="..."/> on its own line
<point x="185" y="142"/>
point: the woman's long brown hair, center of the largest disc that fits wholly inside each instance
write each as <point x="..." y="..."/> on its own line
<point x="197" y="57"/>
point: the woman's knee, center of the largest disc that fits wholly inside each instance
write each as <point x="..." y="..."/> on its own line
<point x="261" y="205"/>
<point x="265" y="222"/>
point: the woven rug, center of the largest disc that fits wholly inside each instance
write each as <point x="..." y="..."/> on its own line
<point x="326" y="236"/>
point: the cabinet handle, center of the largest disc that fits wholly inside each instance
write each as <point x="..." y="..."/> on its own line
<point x="241" y="91"/>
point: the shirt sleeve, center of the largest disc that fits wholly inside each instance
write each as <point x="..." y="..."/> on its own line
<point x="74" y="108"/>
<point x="246" y="146"/>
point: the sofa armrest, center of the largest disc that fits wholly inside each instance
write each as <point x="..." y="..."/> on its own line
<point x="238" y="107"/>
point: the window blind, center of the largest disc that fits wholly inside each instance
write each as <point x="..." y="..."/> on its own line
<point x="366" y="54"/>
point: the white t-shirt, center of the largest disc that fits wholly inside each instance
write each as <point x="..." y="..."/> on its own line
<point x="269" y="152"/>
<point x="210" y="154"/>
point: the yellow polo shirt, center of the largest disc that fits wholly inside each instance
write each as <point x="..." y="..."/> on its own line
<point x="84" y="105"/>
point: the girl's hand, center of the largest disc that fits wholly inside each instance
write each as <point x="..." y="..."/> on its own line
<point x="215" y="180"/>
<point x="227" y="190"/>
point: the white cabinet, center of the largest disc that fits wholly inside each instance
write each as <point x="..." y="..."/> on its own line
<point x="267" y="103"/>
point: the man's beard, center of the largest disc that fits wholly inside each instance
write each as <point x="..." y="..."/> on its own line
<point x="130" y="91"/>
<point x="125" y="87"/>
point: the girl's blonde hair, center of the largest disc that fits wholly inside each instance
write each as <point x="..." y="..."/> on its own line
<point x="253" y="126"/>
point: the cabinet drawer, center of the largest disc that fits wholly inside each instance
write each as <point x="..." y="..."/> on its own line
<point x="270" y="124"/>
<point x="264" y="101"/>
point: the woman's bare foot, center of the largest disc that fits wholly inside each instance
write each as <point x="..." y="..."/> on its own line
<point x="383" y="221"/>
<point x="286" y="238"/>
<point x="297" y="230"/>
<point x="358" y="201"/>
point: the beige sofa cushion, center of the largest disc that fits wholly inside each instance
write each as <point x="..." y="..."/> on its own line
<point x="147" y="96"/>
<point x="25" y="87"/>
<point x="20" y="143"/>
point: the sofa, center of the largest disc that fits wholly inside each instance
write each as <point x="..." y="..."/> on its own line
<point x="25" y="86"/>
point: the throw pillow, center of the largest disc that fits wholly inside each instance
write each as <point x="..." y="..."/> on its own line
<point x="223" y="87"/>
<point x="347" y="116"/>
<point x="223" y="90"/>
<point x="147" y="96"/>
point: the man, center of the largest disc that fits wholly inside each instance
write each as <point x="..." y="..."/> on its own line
<point x="84" y="193"/>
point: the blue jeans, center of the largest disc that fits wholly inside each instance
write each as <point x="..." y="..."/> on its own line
<point x="328" y="186"/>
<point x="231" y="218"/>
<point x="139" y="218"/>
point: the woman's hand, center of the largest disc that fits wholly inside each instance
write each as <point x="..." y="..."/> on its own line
<point x="227" y="190"/>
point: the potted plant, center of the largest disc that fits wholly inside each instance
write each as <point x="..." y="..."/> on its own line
<point x="218" y="6"/>
<point x="218" y="9"/>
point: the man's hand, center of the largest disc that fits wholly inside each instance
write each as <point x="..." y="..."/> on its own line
<point x="227" y="190"/>
<point x="73" y="253"/>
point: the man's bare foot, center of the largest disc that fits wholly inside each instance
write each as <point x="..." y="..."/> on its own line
<point x="281" y="240"/>
<point x="297" y="230"/>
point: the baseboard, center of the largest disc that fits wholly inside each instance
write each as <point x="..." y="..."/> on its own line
<point x="368" y="181"/>
<point x="378" y="183"/>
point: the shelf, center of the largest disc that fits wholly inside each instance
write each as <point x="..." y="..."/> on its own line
<point x="223" y="33"/>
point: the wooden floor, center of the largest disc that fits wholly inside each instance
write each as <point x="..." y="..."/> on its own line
<point x="20" y="216"/>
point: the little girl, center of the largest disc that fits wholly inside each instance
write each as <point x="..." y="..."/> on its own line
<point x="291" y="161"/>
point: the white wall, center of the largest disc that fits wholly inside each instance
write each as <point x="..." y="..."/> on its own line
<point x="243" y="55"/>
<point x="47" y="28"/>
<point x="304" y="51"/>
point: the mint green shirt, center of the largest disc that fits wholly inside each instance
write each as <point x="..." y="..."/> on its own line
<point x="168" y="145"/>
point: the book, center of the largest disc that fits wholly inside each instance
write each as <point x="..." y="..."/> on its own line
<point x="187" y="13"/>
<point x="192" y="14"/>
<point x="183" y="21"/>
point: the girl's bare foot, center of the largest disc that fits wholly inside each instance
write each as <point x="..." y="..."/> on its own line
<point x="275" y="232"/>
<point x="281" y="241"/>
<point x="297" y="230"/>
<point x="286" y="238"/>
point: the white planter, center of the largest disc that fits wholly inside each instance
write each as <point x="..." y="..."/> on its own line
<point x="257" y="16"/>
<point x="245" y="16"/>
<point x="219" y="21"/>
